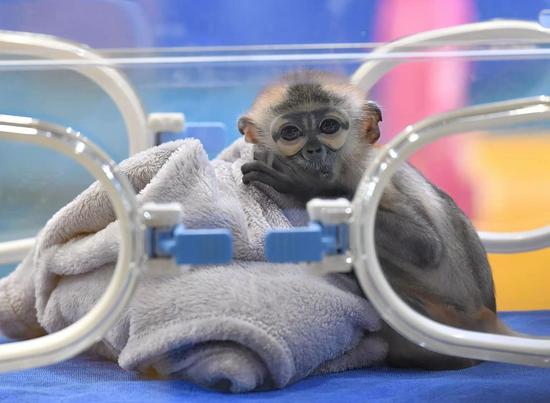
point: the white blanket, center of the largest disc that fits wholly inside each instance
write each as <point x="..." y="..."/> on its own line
<point x="239" y="327"/>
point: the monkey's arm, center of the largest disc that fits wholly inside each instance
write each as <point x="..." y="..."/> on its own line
<point x="406" y="238"/>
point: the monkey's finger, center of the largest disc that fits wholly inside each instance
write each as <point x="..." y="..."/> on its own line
<point x="262" y="155"/>
<point x="289" y="169"/>
<point x="266" y="179"/>
<point x="286" y="168"/>
<point x="258" y="166"/>
<point x="280" y="166"/>
<point x="253" y="166"/>
<point x="260" y="170"/>
<point x="272" y="160"/>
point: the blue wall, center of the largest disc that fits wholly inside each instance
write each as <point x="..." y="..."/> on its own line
<point x="122" y="23"/>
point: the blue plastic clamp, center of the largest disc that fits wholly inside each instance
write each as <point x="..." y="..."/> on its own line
<point x="190" y="246"/>
<point x="306" y="244"/>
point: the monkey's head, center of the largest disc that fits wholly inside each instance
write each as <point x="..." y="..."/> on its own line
<point x="313" y="119"/>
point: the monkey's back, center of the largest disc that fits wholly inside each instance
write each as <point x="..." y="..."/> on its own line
<point x="425" y="242"/>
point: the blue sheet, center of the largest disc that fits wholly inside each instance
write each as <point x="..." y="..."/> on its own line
<point x="86" y="379"/>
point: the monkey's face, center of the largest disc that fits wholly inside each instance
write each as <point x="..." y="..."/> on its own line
<point x="313" y="120"/>
<point x="311" y="137"/>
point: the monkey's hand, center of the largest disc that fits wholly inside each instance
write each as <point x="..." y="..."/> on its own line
<point x="277" y="173"/>
<point x="269" y="169"/>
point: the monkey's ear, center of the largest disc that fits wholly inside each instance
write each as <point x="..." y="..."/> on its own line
<point x="373" y="116"/>
<point x="248" y="129"/>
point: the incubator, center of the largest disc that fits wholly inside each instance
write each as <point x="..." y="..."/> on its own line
<point x="148" y="96"/>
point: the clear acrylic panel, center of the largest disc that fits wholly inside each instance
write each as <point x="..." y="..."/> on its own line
<point x="497" y="176"/>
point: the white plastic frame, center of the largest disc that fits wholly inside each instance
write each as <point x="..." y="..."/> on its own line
<point x="482" y="33"/>
<point x="414" y="326"/>
<point x="109" y="79"/>
<point x="479" y="34"/>
<point x="92" y="326"/>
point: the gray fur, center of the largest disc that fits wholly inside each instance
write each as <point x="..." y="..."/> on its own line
<point x="430" y="253"/>
<point x="439" y="247"/>
<point x="310" y="95"/>
<point x="428" y="249"/>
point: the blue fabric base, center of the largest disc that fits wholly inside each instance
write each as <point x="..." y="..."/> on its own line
<point x="86" y="379"/>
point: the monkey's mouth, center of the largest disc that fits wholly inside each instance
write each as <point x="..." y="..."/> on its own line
<point x="318" y="167"/>
<point x="324" y="168"/>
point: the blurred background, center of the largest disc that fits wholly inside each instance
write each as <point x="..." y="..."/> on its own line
<point x="500" y="179"/>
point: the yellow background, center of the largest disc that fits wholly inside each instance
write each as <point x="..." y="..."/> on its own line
<point x="511" y="177"/>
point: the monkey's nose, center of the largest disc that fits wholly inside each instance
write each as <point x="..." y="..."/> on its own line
<point x="315" y="152"/>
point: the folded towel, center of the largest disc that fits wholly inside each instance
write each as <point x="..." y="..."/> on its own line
<point x="239" y="327"/>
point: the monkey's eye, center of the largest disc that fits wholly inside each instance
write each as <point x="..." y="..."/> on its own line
<point x="290" y="132"/>
<point x="329" y="126"/>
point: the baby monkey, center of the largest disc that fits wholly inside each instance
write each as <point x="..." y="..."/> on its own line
<point x="311" y="131"/>
<point x="314" y="134"/>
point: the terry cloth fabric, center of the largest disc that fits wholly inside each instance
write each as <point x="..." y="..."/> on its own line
<point x="244" y="326"/>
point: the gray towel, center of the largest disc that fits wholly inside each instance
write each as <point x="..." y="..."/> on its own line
<point x="244" y="326"/>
